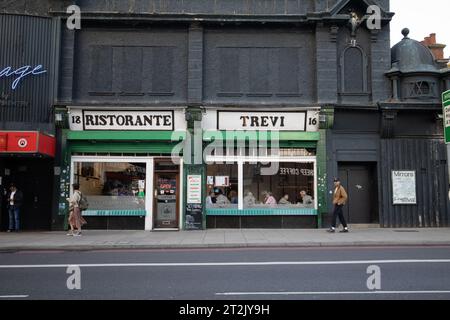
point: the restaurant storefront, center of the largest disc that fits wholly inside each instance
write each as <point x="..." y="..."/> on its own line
<point x="122" y="161"/>
<point x="262" y="168"/>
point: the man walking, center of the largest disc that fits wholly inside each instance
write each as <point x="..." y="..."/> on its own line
<point x="339" y="200"/>
<point x="14" y="202"/>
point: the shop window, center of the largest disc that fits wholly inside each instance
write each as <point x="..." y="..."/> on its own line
<point x="291" y="185"/>
<point x="222" y="186"/>
<point x="112" y="186"/>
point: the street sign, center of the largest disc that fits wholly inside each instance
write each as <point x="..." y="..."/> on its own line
<point x="446" y="112"/>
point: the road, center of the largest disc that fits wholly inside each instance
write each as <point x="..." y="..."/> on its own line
<point x="228" y="274"/>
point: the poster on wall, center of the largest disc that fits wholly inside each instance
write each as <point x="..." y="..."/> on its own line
<point x="194" y="189"/>
<point x="222" y="181"/>
<point x="404" y="187"/>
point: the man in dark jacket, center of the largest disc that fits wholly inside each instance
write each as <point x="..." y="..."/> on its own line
<point x="14" y="203"/>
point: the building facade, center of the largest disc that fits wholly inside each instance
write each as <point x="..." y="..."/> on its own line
<point x="217" y="114"/>
<point x="28" y="85"/>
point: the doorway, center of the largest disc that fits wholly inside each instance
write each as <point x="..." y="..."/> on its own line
<point x="360" y="181"/>
<point x="166" y="196"/>
<point x="34" y="177"/>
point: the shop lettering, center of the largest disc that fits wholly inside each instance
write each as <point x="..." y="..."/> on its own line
<point x="21" y="73"/>
<point x="262" y="121"/>
<point x="296" y="172"/>
<point x="127" y="120"/>
<point x="404" y="174"/>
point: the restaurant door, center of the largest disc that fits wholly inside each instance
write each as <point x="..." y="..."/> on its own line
<point x="166" y="201"/>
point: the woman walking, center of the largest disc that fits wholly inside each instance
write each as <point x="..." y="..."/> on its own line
<point x="75" y="218"/>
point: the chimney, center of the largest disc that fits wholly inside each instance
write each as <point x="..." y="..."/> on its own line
<point x="436" y="48"/>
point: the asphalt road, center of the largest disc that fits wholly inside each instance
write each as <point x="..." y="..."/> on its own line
<point x="229" y="274"/>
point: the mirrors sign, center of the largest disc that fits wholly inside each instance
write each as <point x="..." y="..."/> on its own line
<point x="404" y="187"/>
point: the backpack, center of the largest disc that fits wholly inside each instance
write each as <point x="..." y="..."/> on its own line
<point x="83" y="204"/>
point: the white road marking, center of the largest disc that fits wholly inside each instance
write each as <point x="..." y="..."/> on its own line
<point x="14" y="296"/>
<point x="223" y="264"/>
<point x="310" y="293"/>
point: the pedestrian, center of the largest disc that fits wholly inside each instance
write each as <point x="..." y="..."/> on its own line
<point x="14" y="203"/>
<point x="75" y="218"/>
<point x="339" y="199"/>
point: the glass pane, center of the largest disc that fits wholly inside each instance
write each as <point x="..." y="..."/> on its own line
<point x="291" y="185"/>
<point x="222" y="186"/>
<point x="112" y="186"/>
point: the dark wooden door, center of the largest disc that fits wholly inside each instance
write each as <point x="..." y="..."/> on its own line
<point x="360" y="184"/>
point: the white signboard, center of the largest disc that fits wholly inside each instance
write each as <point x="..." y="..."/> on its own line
<point x="404" y="187"/>
<point x="194" y="189"/>
<point x="266" y="120"/>
<point x="121" y="120"/>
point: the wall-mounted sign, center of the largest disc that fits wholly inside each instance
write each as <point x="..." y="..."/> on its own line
<point x="20" y="73"/>
<point x="266" y="120"/>
<point x="26" y="142"/>
<point x="446" y="112"/>
<point x="121" y="120"/>
<point x="404" y="187"/>
<point x="194" y="189"/>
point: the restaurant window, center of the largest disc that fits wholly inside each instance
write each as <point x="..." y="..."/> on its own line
<point x="222" y="186"/>
<point x="278" y="185"/>
<point x="112" y="185"/>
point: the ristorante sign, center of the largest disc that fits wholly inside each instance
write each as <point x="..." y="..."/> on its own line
<point x="121" y="120"/>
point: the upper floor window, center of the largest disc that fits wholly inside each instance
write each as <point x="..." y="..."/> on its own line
<point x="421" y="89"/>
<point x="353" y="66"/>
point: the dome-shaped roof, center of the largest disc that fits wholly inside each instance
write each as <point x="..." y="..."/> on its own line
<point x="411" y="56"/>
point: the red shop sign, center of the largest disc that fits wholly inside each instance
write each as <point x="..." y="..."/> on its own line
<point x="27" y="142"/>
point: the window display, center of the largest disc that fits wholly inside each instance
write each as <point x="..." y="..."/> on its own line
<point x="112" y="185"/>
<point x="292" y="186"/>
<point x="222" y="186"/>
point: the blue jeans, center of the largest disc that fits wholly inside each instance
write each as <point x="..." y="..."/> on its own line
<point x="14" y="219"/>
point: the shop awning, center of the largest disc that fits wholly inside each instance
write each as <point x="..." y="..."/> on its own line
<point x="292" y="139"/>
<point x="126" y="135"/>
<point x="27" y="142"/>
<point x="247" y="135"/>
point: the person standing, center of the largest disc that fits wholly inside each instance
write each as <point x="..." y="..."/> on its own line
<point x="339" y="199"/>
<point x="14" y="203"/>
<point x="75" y="218"/>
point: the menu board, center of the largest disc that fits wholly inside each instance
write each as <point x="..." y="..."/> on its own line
<point x="194" y="217"/>
<point x="194" y="189"/>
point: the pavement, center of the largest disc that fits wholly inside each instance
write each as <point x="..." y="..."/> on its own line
<point x="223" y="238"/>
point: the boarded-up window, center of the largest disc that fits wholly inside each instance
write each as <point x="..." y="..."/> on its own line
<point x="101" y="69"/>
<point x="162" y="62"/>
<point x="128" y="77"/>
<point x="229" y="70"/>
<point x="353" y="75"/>
<point x="259" y="70"/>
<point x="288" y="69"/>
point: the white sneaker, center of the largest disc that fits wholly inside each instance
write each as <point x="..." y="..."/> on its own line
<point x="77" y="234"/>
<point x="69" y="234"/>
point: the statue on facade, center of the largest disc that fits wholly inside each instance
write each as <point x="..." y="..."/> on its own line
<point x="354" y="23"/>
